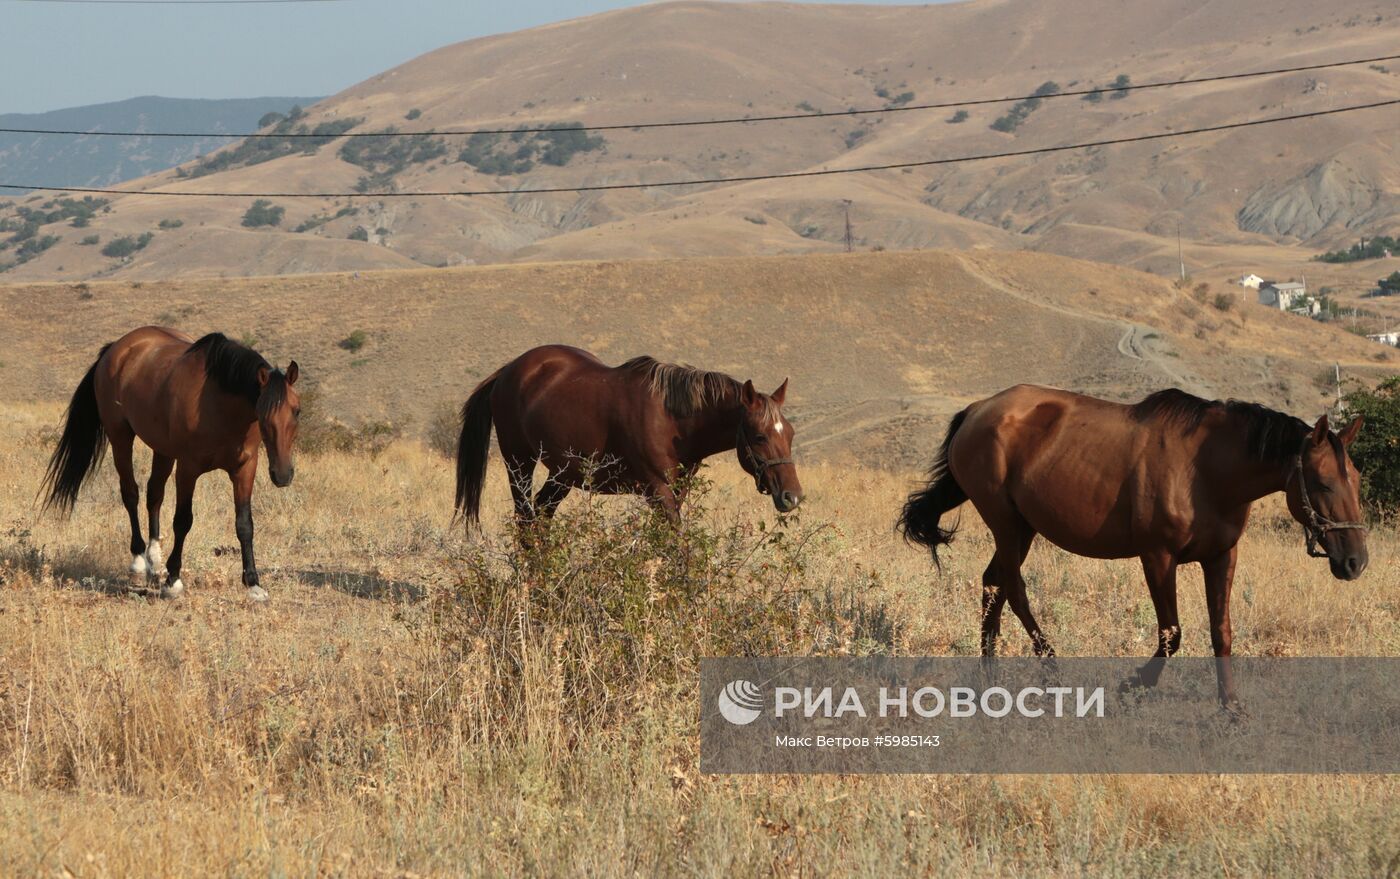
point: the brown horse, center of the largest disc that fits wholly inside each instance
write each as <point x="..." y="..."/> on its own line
<point x="1169" y="480"/>
<point x="634" y="428"/>
<point x="200" y="406"/>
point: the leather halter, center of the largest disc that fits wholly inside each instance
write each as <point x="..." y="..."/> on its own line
<point x="1316" y="525"/>
<point x="760" y="465"/>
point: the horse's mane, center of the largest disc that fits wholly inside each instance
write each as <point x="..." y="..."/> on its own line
<point x="686" y="390"/>
<point x="235" y="368"/>
<point x="1273" y="437"/>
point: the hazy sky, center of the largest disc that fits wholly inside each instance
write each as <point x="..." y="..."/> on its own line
<point x="55" y="55"/>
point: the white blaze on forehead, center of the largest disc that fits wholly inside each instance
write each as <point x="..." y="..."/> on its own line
<point x="778" y="424"/>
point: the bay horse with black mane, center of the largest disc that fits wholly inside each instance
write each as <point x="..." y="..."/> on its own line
<point x="634" y="428"/>
<point x="200" y="406"/>
<point x="1169" y="480"/>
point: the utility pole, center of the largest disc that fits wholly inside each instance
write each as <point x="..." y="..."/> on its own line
<point x="850" y="237"/>
<point x="1180" y="254"/>
<point x="1337" y="367"/>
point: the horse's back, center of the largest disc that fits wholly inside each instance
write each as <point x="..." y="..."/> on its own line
<point x="133" y="380"/>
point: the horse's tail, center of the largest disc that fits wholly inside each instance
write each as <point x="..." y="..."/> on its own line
<point x="81" y="446"/>
<point x="923" y="509"/>
<point x="472" y="448"/>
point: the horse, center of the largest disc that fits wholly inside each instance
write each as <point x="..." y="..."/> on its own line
<point x="200" y="406"/>
<point x="638" y="428"/>
<point x="1168" y="480"/>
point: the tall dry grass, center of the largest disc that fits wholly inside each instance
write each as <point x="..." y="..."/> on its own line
<point x="412" y="702"/>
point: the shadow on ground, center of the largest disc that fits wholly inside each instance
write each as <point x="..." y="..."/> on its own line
<point x="359" y="584"/>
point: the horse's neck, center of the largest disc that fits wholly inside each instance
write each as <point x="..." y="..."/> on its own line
<point x="709" y="432"/>
<point x="1245" y="480"/>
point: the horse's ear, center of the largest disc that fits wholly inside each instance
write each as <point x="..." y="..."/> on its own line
<point x="748" y="395"/>
<point x="293" y="372"/>
<point x="780" y="394"/>
<point x="1348" y="434"/>
<point x="263" y="375"/>
<point x="1319" y="431"/>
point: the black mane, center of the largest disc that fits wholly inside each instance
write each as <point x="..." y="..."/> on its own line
<point x="235" y="368"/>
<point x="1274" y="437"/>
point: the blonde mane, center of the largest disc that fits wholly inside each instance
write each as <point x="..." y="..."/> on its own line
<point x="686" y="390"/>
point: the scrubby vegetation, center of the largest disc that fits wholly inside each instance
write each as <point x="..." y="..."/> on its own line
<point x="1023" y="109"/>
<point x="127" y="245"/>
<point x="517" y="153"/>
<point x="1367" y="248"/>
<point x="315" y="221"/>
<point x="170" y="223"/>
<point x="263" y="213"/>
<point x="256" y="150"/>
<point x="1376" y="451"/>
<point x="24" y="242"/>
<point x="960" y="116"/>
<point x="359" y="233"/>
<point x="385" y="155"/>
<point x="355" y="341"/>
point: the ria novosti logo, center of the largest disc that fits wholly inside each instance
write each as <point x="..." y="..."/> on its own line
<point x="740" y="702"/>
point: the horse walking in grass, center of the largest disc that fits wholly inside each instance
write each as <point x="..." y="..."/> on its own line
<point x="1169" y="480"/>
<point x="199" y="406"/>
<point x="635" y="428"/>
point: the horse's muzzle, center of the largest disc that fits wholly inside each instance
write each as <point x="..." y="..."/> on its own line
<point x="1348" y="567"/>
<point x="786" y="501"/>
<point x="284" y="479"/>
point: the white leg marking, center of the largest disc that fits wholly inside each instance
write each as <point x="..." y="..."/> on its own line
<point x="257" y="593"/>
<point x="138" y="565"/>
<point x="155" y="559"/>
<point x="173" y="590"/>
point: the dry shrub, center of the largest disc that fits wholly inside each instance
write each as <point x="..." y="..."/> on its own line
<point x="443" y="430"/>
<point x="607" y="611"/>
<point x="321" y="432"/>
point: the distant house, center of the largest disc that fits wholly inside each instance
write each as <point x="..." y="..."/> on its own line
<point x="1251" y="281"/>
<point x="1392" y="338"/>
<point x="1288" y="296"/>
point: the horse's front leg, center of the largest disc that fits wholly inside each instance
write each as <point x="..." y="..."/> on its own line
<point x="663" y="496"/>
<point x="1160" y="570"/>
<point x="243" y="479"/>
<point x="1219" y="577"/>
<point x="186" y="475"/>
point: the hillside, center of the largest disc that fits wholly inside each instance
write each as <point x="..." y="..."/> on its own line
<point x="936" y="330"/>
<point x="103" y="161"/>
<point x="1298" y="188"/>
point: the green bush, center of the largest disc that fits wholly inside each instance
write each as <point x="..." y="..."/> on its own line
<point x="413" y="114"/>
<point x="355" y="341"/>
<point x="360" y="234"/>
<point x="256" y="150"/>
<point x="126" y="245"/>
<point x="1023" y="109"/>
<point x="960" y="116"/>
<point x="501" y="155"/>
<point x="609" y="608"/>
<point x="169" y="223"/>
<point x="263" y="213"/>
<point x="385" y="155"/>
<point x="89" y="240"/>
<point x="1373" y="248"/>
<point x="1376" y="451"/>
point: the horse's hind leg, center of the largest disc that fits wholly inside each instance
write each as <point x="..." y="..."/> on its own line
<point x="520" y="473"/>
<point x="1002" y="583"/>
<point x="551" y="495"/>
<point x="122" y="438"/>
<point x="155" y="496"/>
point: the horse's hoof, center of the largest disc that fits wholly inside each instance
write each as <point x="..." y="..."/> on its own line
<point x="172" y="590"/>
<point x="257" y="593"/>
<point x="138" y="565"/>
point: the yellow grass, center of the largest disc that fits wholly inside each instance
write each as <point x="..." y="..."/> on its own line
<point x="319" y="734"/>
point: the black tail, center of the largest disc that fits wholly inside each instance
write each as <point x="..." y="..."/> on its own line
<point x="81" y="447"/>
<point x="923" y="509"/>
<point x="472" y="448"/>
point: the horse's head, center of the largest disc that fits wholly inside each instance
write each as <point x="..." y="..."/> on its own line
<point x="1324" y="493"/>
<point x="764" y="445"/>
<point x="279" y="410"/>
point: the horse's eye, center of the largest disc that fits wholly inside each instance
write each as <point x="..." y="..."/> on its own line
<point x="296" y="413"/>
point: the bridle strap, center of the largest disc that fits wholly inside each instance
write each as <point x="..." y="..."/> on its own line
<point x="759" y="464"/>
<point x="1317" y="524"/>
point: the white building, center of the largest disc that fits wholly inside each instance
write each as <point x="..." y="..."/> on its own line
<point x="1288" y="296"/>
<point x="1392" y="338"/>
<point x="1251" y="281"/>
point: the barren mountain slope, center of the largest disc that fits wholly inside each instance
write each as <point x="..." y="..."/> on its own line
<point x="1304" y="186"/>
<point x="881" y="348"/>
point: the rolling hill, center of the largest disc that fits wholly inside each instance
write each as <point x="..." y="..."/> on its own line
<point x="104" y="161"/>
<point x="1296" y="188"/>
<point x="935" y="329"/>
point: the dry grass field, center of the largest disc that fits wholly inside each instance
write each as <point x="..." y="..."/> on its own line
<point x="415" y="703"/>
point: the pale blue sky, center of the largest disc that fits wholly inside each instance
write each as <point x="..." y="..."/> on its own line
<point x="55" y="55"/>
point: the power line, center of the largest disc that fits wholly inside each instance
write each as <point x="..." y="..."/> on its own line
<point x="683" y="123"/>
<point x="825" y="172"/>
<point x="172" y="2"/>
